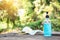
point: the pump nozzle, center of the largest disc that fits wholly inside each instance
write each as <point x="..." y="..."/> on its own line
<point x="46" y="12"/>
<point x="47" y="16"/>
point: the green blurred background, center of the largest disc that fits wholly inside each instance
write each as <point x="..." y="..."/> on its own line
<point x="21" y="13"/>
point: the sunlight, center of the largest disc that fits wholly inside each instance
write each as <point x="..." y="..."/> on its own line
<point x="21" y="12"/>
<point x="3" y="25"/>
<point x="7" y="0"/>
<point x="15" y="2"/>
<point x="0" y="0"/>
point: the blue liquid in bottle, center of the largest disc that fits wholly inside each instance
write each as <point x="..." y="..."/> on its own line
<point x="47" y="26"/>
<point x="47" y="29"/>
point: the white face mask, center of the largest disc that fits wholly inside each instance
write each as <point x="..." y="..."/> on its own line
<point x="27" y="29"/>
<point x="30" y="31"/>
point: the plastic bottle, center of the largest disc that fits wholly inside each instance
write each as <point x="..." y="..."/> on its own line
<point x="47" y="26"/>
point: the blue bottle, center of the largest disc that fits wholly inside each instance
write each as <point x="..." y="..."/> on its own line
<point x="47" y="26"/>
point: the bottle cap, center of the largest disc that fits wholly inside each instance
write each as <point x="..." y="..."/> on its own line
<point x="46" y="12"/>
<point x="47" y="16"/>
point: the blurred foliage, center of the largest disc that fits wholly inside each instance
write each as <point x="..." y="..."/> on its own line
<point x="35" y="25"/>
<point x="32" y="16"/>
